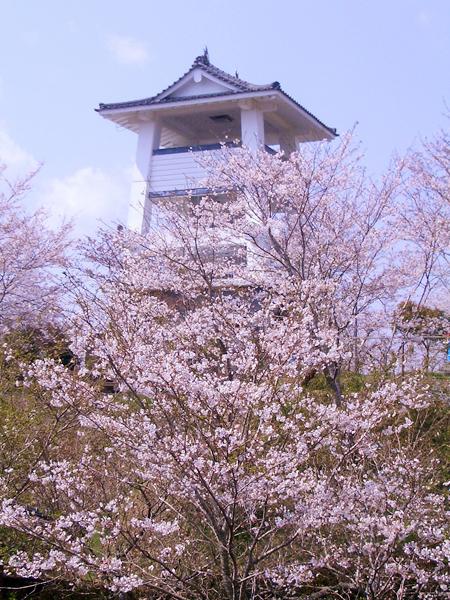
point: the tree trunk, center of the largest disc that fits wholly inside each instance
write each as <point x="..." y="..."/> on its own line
<point x="332" y="378"/>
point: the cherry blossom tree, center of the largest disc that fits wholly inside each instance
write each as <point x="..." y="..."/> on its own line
<point x="320" y="213"/>
<point x="213" y="470"/>
<point x="426" y="327"/>
<point x="425" y="220"/>
<point x="30" y="255"/>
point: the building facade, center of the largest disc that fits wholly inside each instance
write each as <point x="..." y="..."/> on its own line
<point x="200" y="114"/>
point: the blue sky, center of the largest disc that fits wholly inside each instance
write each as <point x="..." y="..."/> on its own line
<point x="384" y="64"/>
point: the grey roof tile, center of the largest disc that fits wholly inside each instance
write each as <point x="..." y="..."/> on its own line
<point x="203" y="62"/>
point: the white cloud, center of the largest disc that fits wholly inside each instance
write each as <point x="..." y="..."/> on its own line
<point x="90" y="197"/>
<point x="18" y="162"/>
<point x="127" y="50"/>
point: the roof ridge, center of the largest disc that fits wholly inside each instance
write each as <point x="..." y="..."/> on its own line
<point x="203" y="61"/>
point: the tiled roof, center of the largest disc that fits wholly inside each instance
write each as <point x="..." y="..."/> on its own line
<point x="241" y="87"/>
<point x="202" y="62"/>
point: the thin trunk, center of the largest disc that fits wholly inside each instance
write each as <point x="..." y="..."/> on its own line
<point x="355" y="347"/>
<point x="332" y="373"/>
<point x="403" y="360"/>
<point x="227" y="578"/>
<point x="426" y="364"/>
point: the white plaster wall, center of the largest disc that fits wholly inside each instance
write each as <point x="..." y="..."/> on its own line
<point x="205" y="86"/>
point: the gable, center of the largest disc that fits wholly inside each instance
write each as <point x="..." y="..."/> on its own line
<point x="201" y="88"/>
<point x="197" y="82"/>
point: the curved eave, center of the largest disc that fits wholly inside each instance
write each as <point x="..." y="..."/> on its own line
<point x="131" y="114"/>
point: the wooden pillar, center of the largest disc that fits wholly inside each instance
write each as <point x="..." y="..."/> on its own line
<point x="252" y="127"/>
<point x="288" y="143"/>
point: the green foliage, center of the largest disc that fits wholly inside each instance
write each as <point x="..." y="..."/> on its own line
<point x="351" y="382"/>
<point x="29" y="425"/>
<point x="30" y="343"/>
<point x="422" y="320"/>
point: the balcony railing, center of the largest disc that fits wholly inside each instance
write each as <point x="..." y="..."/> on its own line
<point x="197" y="148"/>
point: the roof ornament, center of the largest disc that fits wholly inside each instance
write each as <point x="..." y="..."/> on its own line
<point x="236" y="74"/>
<point x="203" y="59"/>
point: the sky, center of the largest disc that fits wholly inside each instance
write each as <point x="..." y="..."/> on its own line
<point x="383" y="65"/>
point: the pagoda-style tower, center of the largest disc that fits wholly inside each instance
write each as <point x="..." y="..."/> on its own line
<point x="201" y="111"/>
